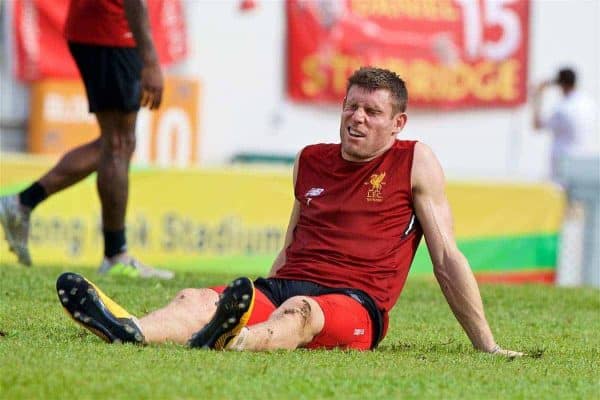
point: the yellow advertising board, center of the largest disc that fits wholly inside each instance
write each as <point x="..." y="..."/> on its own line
<point x="59" y="120"/>
<point x="234" y="220"/>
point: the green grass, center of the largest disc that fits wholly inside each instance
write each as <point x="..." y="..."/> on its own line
<point x="44" y="355"/>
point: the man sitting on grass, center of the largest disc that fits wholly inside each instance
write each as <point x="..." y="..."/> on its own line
<point x="361" y="207"/>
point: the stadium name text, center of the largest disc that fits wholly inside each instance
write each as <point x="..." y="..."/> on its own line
<point x="174" y="234"/>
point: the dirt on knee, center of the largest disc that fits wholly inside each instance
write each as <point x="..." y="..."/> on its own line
<point x="304" y="311"/>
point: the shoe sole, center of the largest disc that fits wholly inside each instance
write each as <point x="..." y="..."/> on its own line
<point x="81" y="301"/>
<point x="233" y="312"/>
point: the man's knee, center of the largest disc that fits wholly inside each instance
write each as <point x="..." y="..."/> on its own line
<point x="119" y="143"/>
<point x="196" y="297"/>
<point x="117" y="131"/>
<point x="305" y="311"/>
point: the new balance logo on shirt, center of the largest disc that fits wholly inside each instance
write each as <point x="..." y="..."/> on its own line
<point x="314" y="192"/>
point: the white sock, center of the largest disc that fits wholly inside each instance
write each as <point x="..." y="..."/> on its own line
<point x="238" y="343"/>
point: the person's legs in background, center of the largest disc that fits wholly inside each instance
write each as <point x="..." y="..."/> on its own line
<point x="112" y="79"/>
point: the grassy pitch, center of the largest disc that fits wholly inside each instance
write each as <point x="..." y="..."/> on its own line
<point x="44" y="355"/>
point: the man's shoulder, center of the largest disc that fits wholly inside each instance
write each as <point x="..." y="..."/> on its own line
<point x="423" y="157"/>
<point x="585" y="101"/>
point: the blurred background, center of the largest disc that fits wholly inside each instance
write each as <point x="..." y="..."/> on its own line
<point x="250" y="82"/>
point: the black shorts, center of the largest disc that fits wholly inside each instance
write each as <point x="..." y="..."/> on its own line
<point x="111" y="75"/>
<point x="279" y="290"/>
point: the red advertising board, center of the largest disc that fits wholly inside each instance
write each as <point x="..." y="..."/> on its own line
<point x="41" y="50"/>
<point x="451" y="53"/>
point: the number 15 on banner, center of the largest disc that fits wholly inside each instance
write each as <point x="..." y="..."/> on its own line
<point x="481" y="14"/>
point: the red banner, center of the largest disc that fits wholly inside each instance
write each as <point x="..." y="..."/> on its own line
<point x="451" y="53"/>
<point x="41" y="50"/>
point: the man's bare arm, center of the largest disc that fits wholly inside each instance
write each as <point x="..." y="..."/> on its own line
<point x="451" y="268"/>
<point x="537" y="104"/>
<point x="151" y="76"/>
<point x="289" y="234"/>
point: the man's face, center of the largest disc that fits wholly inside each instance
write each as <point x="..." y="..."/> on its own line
<point x="368" y="126"/>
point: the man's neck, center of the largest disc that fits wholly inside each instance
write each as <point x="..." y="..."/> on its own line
<point x="567" y="90"/>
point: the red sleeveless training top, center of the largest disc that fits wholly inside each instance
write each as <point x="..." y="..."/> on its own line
<point x="98" y="22"/>
<point x="357" y="228"/>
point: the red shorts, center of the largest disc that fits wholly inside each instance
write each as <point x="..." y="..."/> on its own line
<point x="347" y="323"/>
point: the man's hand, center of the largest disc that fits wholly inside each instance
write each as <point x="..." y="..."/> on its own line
<point x="152" y="86"/>
<point x="151" y="79"/>
<point x="497" y="350"/>
<point x="543" y="85"/>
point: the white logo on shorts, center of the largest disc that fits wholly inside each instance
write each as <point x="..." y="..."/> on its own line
<point x="359" y="332"/>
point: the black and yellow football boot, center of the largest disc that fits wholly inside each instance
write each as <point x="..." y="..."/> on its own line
<point x="95" y="311"/>
<point x="233" y="312"/>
